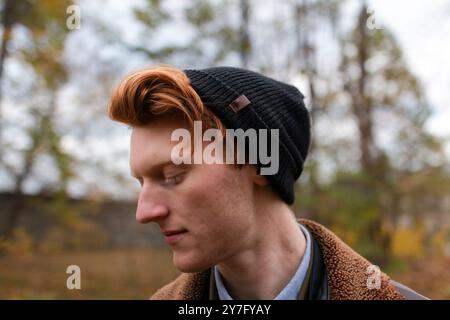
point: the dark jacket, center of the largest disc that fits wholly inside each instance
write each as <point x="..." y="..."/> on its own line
<point x="336" y="272"/>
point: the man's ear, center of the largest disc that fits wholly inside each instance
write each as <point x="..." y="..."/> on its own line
<point x="259" y="179"/>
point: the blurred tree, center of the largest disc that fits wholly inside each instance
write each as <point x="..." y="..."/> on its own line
<point x="222" y="31"/>
<point x="244" y="33"/>
<point x="36" y="17"/>
<point x="311" y="18"/>
<point x="152" y="16"/>
<point x="387" y="103"/>
<point x="45" y="21"/>
<point x="384" y="84"/>
<point x="217" y="34"/>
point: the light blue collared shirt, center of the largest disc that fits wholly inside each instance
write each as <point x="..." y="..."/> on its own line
<point x="292" y="289"/>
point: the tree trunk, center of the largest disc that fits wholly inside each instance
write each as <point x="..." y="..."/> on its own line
<point x="362" y="106"/>
<point x="245" y="45"/>
<point x="7" y="22"/>
<point x="13" y="214"/>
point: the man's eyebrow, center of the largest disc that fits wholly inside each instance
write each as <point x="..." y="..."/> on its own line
<point x="154" y="168"/>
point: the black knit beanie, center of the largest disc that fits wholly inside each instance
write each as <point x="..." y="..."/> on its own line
<point x="245" y="99"/>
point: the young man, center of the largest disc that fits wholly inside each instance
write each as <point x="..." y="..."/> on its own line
<point x="231" y="229"/>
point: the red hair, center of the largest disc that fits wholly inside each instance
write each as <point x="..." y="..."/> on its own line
<point x="159" y="91"/>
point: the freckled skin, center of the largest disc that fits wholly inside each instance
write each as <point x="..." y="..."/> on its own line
<point x="214" y="202"/>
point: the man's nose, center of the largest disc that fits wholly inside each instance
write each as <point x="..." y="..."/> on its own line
<point x="150" y="207"/>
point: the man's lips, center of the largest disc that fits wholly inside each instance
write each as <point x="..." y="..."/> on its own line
<point x="173" y="236"/>
<point x="172" y="232"/>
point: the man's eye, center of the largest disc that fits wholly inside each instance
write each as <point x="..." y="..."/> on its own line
<point x="170" y="181"/>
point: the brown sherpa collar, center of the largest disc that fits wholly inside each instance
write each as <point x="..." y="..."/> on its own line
<point x="347" y="274"/>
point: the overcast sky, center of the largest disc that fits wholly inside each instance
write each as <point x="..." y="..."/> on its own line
<point x="423" y="29"/>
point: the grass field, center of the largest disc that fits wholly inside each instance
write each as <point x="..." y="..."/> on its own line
<point x="118" y="274"/>
<point x="137" y="273"/>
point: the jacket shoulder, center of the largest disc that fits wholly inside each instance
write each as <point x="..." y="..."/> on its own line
<point x="348" y="272"/>
<point x="188" y="286"/>
<point x="408" y="293"/>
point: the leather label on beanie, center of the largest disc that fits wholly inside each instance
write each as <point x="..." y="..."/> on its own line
<point x="239" y="103"/>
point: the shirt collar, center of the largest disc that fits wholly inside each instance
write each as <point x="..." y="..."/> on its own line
<point x="291" y="290"/>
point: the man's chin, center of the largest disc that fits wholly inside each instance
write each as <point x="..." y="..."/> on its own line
<point x="189" y="266"/>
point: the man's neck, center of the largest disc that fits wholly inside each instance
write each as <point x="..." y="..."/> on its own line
<point x="265" y="268"/>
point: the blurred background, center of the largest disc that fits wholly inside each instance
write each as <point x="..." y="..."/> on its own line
<point x="376" y="77"/>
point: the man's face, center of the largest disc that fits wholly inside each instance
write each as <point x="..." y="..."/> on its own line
<point x="208" y="206"/>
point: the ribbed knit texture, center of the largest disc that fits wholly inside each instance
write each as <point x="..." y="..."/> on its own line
<point x="273" y="105"/>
